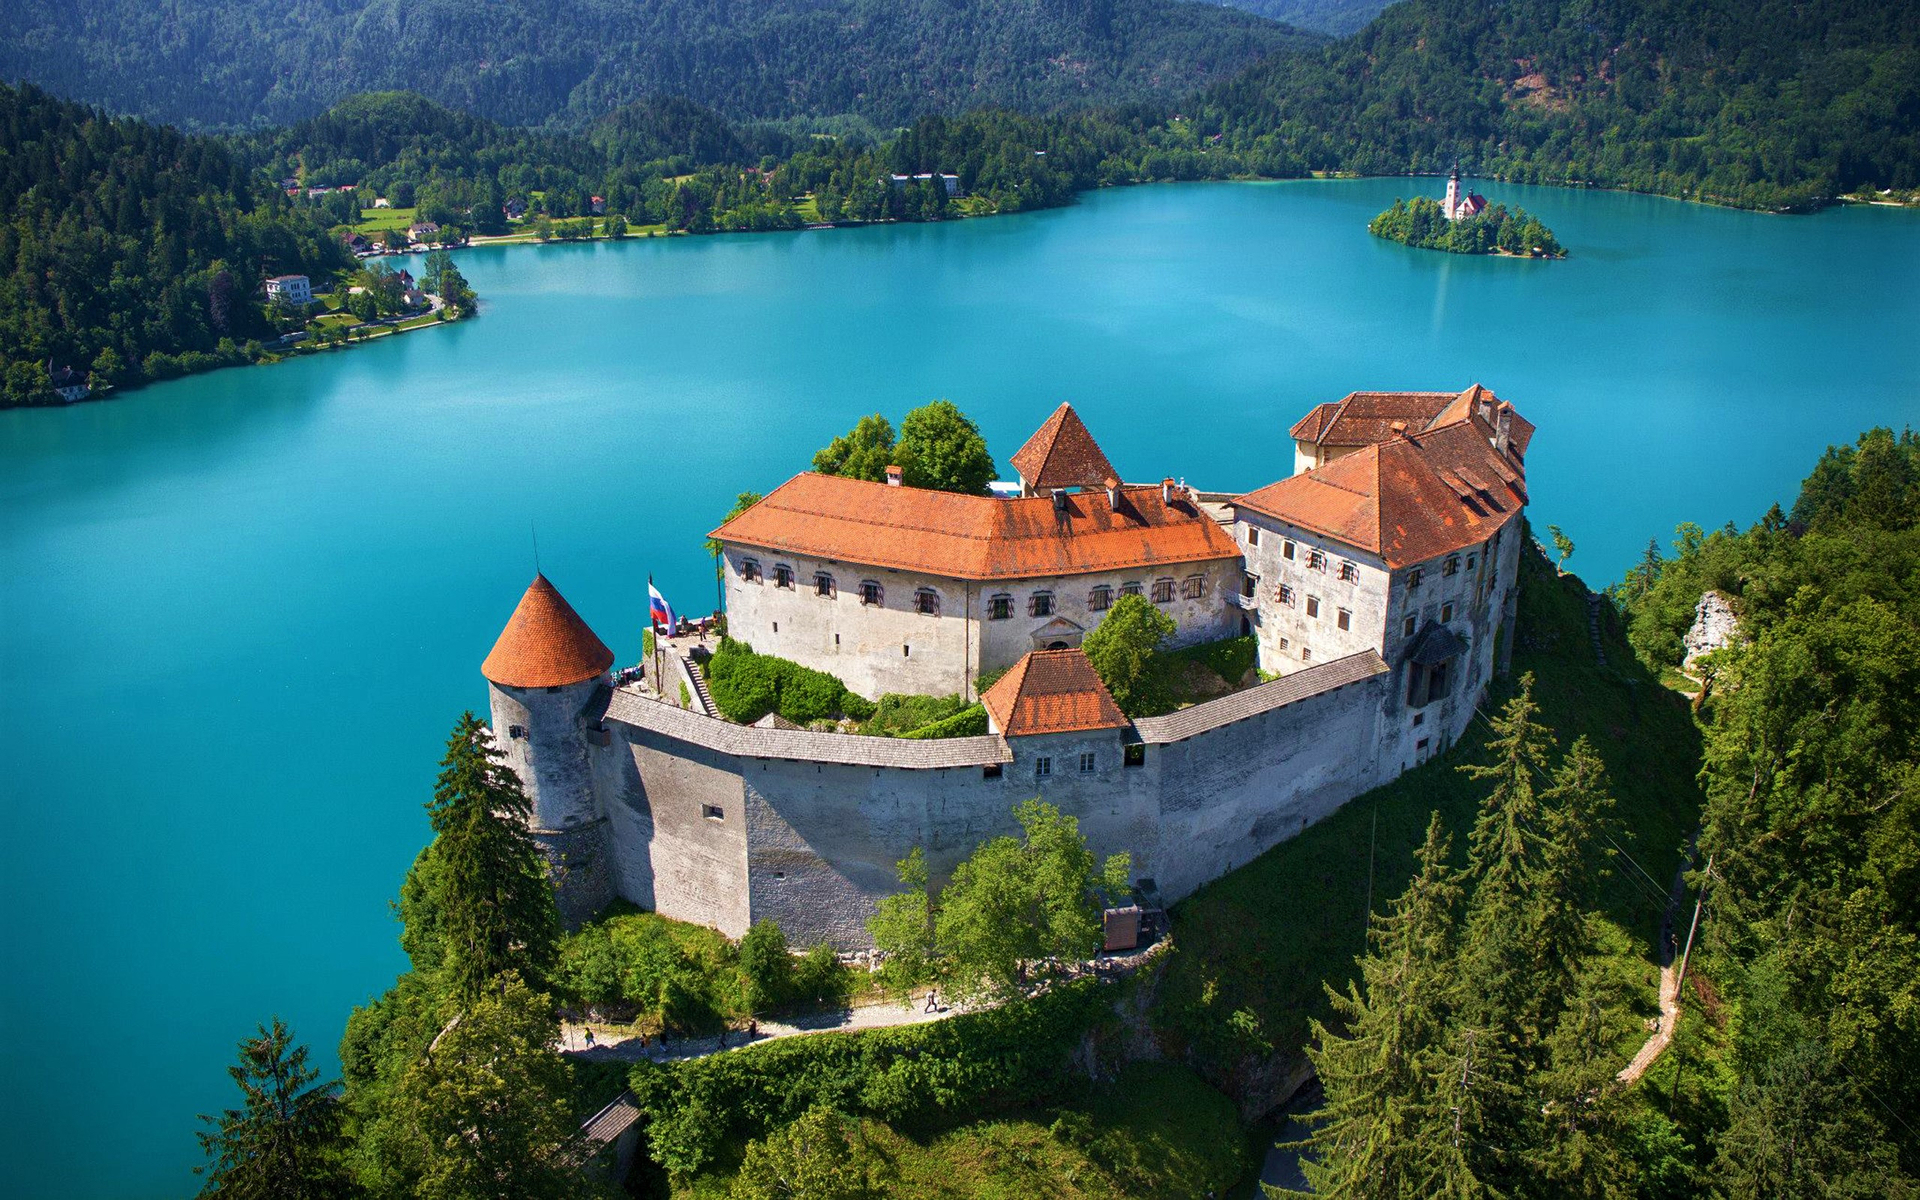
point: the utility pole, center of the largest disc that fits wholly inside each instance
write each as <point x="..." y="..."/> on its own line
<point x="1679" y="1062"/>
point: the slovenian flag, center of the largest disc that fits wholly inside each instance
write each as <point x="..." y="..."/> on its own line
<point x="659" y="610"/>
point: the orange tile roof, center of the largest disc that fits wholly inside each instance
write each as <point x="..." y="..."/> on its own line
<point x="545" y="643"/>
<point x="1062" y="453"/>
<point x="1407" y="499"/>
<point x="977" y="537"/>
<point x="1363" y="418"/>
<point x="1051" y="691"/>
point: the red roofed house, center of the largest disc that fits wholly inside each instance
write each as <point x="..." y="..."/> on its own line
<point x="898" y="589"/>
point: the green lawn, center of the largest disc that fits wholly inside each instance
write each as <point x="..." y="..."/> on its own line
<point x="1264" y="937"/>
<point x="1157" y="1132"/>
<point x="374" y="219"/>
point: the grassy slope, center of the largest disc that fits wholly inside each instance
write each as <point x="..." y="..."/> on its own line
<point x="1265" y="936"/>
<point x="1155" y="1131"/>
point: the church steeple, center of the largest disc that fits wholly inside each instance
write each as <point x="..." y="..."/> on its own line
<point x="1452" y="203"/>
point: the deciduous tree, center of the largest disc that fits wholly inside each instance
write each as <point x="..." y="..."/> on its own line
<point x="941" y="448"/>
<point x="1125" y="647"/>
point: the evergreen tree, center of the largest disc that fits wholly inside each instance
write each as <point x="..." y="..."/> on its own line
<point x="285" y="1144"/>
<point x="495" y="904"/>
<point x="1384" y="1132"/>
<point x="485" y="1112"/>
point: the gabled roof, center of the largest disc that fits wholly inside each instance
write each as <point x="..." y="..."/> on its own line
<point x="977" y="537"/>
<point x="545" y="644"/>
<point x="1062" y="453"/>
<point x="1408" y="499"/>
<point x="1051" y="691"/>
<point x="1363" y="418"/>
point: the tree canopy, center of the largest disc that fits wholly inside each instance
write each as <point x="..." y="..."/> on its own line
<point x="1125" y="649"/>
<point x="286" y="1142"/>
<point x="938" y="447"/>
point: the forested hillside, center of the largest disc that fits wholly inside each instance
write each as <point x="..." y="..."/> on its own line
<point x="129" y="251"/>
<point x="1766" y="105"/>
<point x="1336" y="17"/>
<point x="251" y="62"/>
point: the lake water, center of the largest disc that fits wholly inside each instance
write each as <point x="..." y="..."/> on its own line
<point x="240" y="612"/>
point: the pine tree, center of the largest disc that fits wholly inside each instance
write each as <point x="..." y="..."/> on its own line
<point x="1385" y="1130"/>
<point x="1503" y="849"/>
<point x="495" y="905"/>
<point x="285" y="1144"/>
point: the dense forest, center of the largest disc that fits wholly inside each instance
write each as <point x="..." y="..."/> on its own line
<point x="1336" y="17"/>
<point x="247" y="62"/>
<point x="1770" y="105"/>
<point x="130" y="252"/>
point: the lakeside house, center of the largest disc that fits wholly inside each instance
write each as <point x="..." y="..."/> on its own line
<point x="423" y="231"/>
<point x="356" y="244"/>
<point x="68" y="384"/>
<point x="950" y="182"/>
<point x="597" y="205"/>
<point x="382" y="202"/>
<point x="514" y="209"/>
<point x="296" y="290"/>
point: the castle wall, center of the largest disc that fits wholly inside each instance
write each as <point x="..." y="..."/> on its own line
<point x="1289" y="638"/>
<point x="540" y="733"/>
<point x="671" y="852"/>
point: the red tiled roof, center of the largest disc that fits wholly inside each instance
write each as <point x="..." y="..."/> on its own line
<point x="1310" y="427"/>
<point x="545" y="643"/>
<point x="1051" y="691"/>
<point x="977" y="537"/>
<point x="1062" y="453"/>
<point x="1363" y="418"/>
<point x="1408" y="499"/>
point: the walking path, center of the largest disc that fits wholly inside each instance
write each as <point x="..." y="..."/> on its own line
<point x="613" y="1043"/>
<point x="1593" y="626"/>
<point x="1669" y="978"/>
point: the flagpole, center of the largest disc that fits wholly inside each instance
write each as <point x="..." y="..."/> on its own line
<point x="659" y="680"/>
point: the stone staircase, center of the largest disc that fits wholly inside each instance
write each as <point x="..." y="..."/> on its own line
<point x="700" y="690"/>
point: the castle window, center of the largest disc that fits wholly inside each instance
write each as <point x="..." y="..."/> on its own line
<point x="1313" y="606"/>
<point x="1042" y="767"/>
<point x="926" y="602"/>
<point x="1452" y="566"/>
<point x="750" y="570"/>
<point x="518" y="732"/>
<point x="1286" y="550"/>
<point x="823" y="585"/>
<point x="1349" y="573"/>
<point x="712" y="812"/>
<point x="1134" y="754"/>
<point x="1306" y="655"/>
<point x="1344" y="619"/>
<point x="1286" y="595"/>
<point x="782" y="575"/>
<point x="871" y="593"/>
<point x="1415" y="576"/>
<point x="1040" y="604"/>
<point x="1406" y="627"/>
<point x="1446" y="612"/>
<point x="990" y="771"/>
<point x="1470" y="561"/>
<point x="1163" y="591"/>
<point x="1284" y="643"/>
<point x="1000" y="607"/>
<point x="1130" y="589"/>
<point x="1100" y="599"/>
<point x="1086" y="762"/>
<point x="1195" y="587"/>
<point x="1317" y="559"/>
<point x="1249" y="585"/>
<point x="1253" y="535"/>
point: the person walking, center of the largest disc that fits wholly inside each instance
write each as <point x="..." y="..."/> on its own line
<point x="933" y="1001"/>
<point x="589" y="1036"/>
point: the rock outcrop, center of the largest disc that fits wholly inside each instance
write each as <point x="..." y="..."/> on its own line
<point x="1714" y="626"/>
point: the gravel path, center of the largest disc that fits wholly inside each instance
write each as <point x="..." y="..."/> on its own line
<point x="615" y="1043"/>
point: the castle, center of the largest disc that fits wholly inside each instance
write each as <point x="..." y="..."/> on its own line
<point x="1378" y="581"/>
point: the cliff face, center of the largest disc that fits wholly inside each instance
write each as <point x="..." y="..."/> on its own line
<point x="1714" y="625"/>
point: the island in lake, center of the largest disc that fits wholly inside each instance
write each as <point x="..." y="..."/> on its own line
<point x="1465" y="225"/>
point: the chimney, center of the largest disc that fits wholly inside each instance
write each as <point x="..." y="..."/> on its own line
<point x="1060" y="500"/>
<point x="893" y="476"/>
<point x="1113" y="493"/>
<point x="1399" y="428"/>
<point x="1166" y="490"/>
<point x="1503" y="434"/>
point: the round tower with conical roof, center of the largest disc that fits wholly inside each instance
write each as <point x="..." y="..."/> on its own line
<point x="543" y="676"/>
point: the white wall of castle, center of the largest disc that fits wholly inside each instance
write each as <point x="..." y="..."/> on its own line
<point x="894" y="647"/>
<point x="1301" y="626"/>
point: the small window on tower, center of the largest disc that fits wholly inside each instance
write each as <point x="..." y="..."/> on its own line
<point x="712" y="812"/>
<point x="1406" y="627"/>
<point x="926" y="602"/>
<point x="1344" y="619"/>
<point x="1349" y="573"/>
<point x="1286" y="595"/>
<point x="823" y="585"/>
<point x="1313" y="606"/>
<point x="1446" y="612"/>
<point x="750" y="570"/>
<point x="782" y="576"/>
<point x="1317" y="559"/>
<point x="1286" y="550"/>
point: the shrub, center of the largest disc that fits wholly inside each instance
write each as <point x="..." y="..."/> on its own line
<point x="896" y="715"/>
<point x="970" y="721"/>
<point x="747" y="686"/>
<point x="766" y="967"/>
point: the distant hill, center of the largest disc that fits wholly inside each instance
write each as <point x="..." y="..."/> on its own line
<point x="1760" y="103"/>
<point x="259" y="62"/>
<point x="1335" y="17"/>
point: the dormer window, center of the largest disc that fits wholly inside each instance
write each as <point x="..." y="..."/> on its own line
<point x="782" y="575"/>
<point x="1000" y="607"/>
<point x="1100" y="599"/>
<point x="823" y="585"/>
<point x="750" y="570"/>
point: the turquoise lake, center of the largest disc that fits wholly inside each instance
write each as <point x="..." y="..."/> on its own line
<point x="240" y="612"/>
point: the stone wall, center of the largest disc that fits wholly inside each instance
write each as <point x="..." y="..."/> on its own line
<point x="1290" y="638"/>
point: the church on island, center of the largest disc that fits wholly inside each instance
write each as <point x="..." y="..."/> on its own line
<point x="1377" y="580"/>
